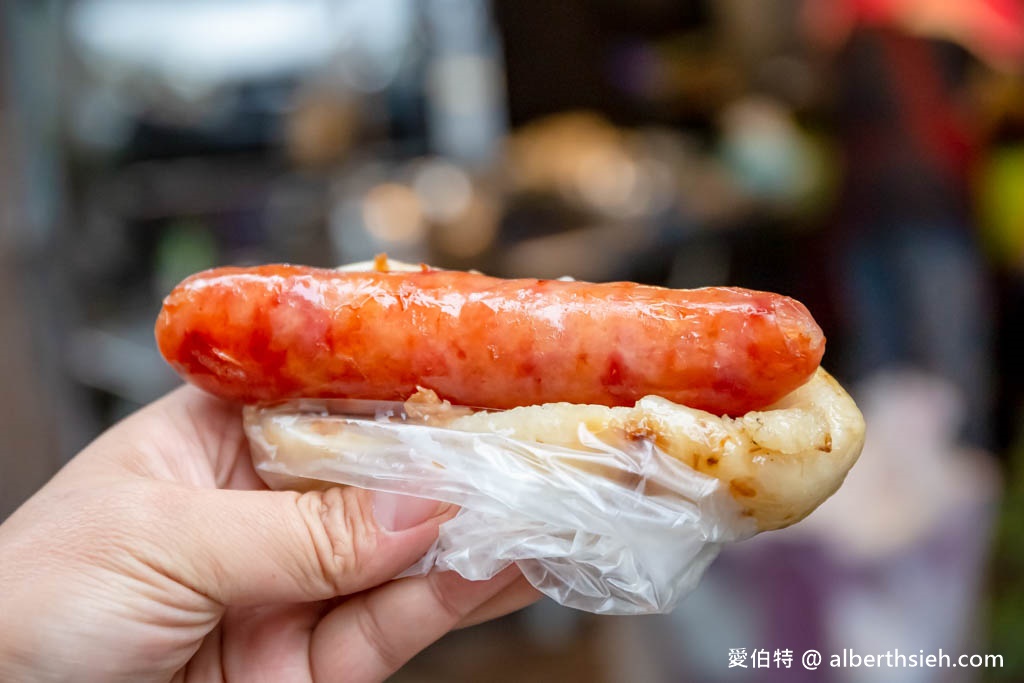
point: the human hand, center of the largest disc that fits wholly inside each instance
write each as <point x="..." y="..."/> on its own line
<point x="157" y="554"/>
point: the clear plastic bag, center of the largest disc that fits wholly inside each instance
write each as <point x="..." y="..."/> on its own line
<point x="616" y="527"/>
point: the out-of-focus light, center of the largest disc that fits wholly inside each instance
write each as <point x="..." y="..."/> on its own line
<point x="606" y="178"/>
<point x="660" y="186"/>
<point x="392" y="213"/>
<point x="471" y="233"/>
<point x="460" y="83"/>
<point x="203" y="42"/>
<point x="373" y="40"/>
<point x="321" y="128"/>
<point x="763" y="147"/>
<point x="443" y="188"/>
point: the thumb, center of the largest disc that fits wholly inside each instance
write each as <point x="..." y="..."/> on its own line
<point x="258" y="547"/>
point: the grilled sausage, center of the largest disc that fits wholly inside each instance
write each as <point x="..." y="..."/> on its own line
<point x="274" y="332"/>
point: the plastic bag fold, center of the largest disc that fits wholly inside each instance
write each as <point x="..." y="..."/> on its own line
<point x="615" y="527"/>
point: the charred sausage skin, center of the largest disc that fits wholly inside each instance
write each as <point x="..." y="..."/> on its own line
<point x="275" y="332"/>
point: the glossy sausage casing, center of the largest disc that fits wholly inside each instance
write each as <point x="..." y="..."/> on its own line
<point x="274" y="332"/>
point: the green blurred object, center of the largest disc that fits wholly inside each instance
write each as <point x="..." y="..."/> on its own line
<point x="1001" y="205"/>
<point x="1006" y="608"/>
<point x="185" y="247"/>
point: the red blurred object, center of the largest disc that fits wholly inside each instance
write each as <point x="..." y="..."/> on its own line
<point x="992" y="29"/>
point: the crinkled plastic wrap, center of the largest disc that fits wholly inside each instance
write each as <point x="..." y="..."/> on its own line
<point x="615" y="528"/>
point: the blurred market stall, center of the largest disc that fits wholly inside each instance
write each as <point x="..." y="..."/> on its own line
<point x="865" y="156"/>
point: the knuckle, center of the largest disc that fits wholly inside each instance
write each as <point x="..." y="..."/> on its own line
<point x="443" y="598"/>
<point x="342" y="534"/>
<point x="374" y="635"/>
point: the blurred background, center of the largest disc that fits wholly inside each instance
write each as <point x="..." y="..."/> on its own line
<point x="864" y="156"/>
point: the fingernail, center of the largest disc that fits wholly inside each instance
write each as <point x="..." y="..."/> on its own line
<point x="395" y="512"/>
